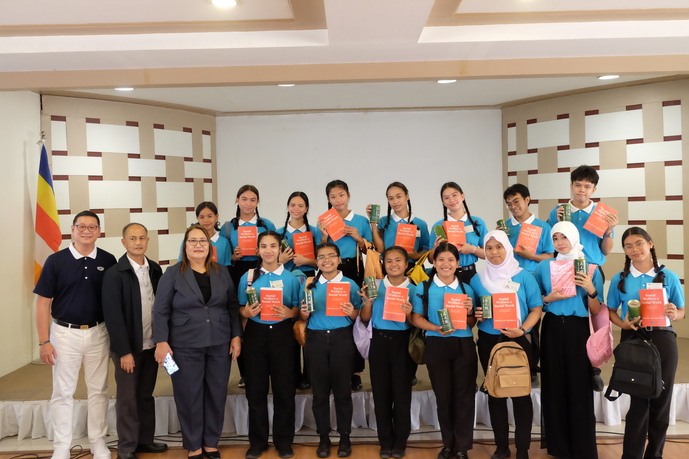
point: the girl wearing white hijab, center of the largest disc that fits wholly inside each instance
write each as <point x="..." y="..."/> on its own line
<point x="569" y="422"/>
<point x="502" y="274"/>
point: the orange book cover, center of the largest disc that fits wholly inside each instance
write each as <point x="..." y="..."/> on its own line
<point x="596" y="222"/>
<point x="529" y="235"/>
<point x="303" y="244"/>
<point x="246" y="239"/>
<point x="653" y="307"/>
<point x="454" y="302"/>
<point x="505" y="310"/>
<point x="334" y="224"/>
<point x="336" y="293"/>
<point x="215" y="253"/>
<point x="455" y="233"/>
<point x="406" y="236"/>
<point x="395" y="297"/>
<point x="270" y="297"/>
<point x="562" y="277"/>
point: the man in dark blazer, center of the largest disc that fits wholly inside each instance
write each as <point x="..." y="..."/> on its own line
<point x="128" y="295"/>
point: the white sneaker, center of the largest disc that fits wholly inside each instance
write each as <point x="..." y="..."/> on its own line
<point x="100" y="450"/>
<point x="61" y="452"/>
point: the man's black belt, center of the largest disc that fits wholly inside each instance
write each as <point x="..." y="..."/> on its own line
<point x="80" y="327"/>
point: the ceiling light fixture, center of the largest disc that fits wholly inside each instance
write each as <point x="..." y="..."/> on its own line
<point x="447" y="81"/>
<point x="124" y="89"/>
<point x="286" y="85"/>
<point x="224" y="3"/>
<point x="608" y="77"/>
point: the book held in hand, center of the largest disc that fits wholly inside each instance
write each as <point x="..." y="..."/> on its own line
<point x="505" y="310"/>
<point x="395" y="297"/>
<point x="246" y="239"/>
<point x="562" y="277"/>
<point x="653" y="307"/>
<point x="455" y="233"/>
<point x="303" y="244"/>
<point x="596" y="222"/>
<point x="336" y="294"/>
<point x="270" y="297"/>
<point x="334" y="224"/>
<point x="406" y="236"/>
<point x="454" y="302"/>
<point x="529" y="235"/>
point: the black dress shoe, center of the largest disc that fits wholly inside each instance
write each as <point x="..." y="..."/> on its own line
<point x="121" y="455"/>
<point x="398" y="453"/>
<point x="196" y="456"/>
<point x="285" y="452"/>
<point x="211" y="454"/>
<point x="255" y="451"/>
<point x="151" y="448"/>
<point x="345" y="447"/>
<point x="324" y="445"/>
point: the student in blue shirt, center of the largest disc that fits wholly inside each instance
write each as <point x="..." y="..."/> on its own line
<point x="269" y="349"/>
<point x="450" y="356"/>
<point x="583" y="184"/>
<point x="517" y="199"/>
<point x="647" y="418"/>
<point x="247" y="215"/>
<point x="503" y="274"/>
<point x="330" y="351"/>
<point x="453" y="200"/>
<point x="390" y="363"/>
<point x="399" y="211"/>
<point x="207" y="216"/>
<point x="569" y="422"/>
<point x="297" y="222"/>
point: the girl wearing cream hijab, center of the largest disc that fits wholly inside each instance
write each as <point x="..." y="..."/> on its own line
<point x="569" y="422"/>
<point x="502" y="274"/>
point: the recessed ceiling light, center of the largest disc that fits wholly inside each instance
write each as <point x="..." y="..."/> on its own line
<point x="608" y="77"/>
<point x="286" y="85"/>
<point x="124" y="89"/>
<point x="447" y="81"/>
<point x="224" y="3"/>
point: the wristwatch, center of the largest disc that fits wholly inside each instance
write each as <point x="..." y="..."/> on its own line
<point x="594" y="294"/>
<point x="524" y="331"/>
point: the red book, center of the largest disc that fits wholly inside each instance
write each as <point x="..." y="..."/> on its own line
<point x="303" y="244"/>
<point x="406" y="236"/>
<point x="653" y="307"/>
<point x="596" y="222"/>
<point x="529" y="235"/>
<point x="454" y="302"/>
<point x="505" y="310"/>
<point x="395" y="297"/>
<point x="336" y="293"/>
<point x="270" y="297"/>
<point x="562" y="277"/>
<point x="215" y="253"/>
<point x="334" y="224"/>
<point x="455" y="233"/>
<point x="246" y="239"/>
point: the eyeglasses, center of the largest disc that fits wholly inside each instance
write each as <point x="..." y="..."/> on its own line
<point x="90" y="229"/>
<point x="327" y="257"/>
<point x="201" y="242"/>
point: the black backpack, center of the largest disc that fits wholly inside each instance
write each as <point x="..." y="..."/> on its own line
<point x="637" y="370"/>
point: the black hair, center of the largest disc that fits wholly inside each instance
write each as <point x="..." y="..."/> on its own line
<point x="394" y="248"/>
<point x="85" y="213"/>
<point x="445" y="247"/>
<point x="406" y="192"/>
<point x="516" y="189"/>
<point x="129" y="225"/>
<point x="297" y="194"/>
<point x="210" y="206"/>
<point x="454" y="185"/>
<point x="660" y="275"/>
<point x="335" y="184"/>
<point x="584" y="172"/>
<point x="323" y="245"/>
<point x="257" y="270"/>
<point x="242" y="190"/>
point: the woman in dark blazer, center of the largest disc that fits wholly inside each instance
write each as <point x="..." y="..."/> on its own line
<point x="196" y="320"/>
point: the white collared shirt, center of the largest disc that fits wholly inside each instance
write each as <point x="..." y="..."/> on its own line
<point x="147" y="298"/>
<point x="588" y="209"/>
<point x="278" y="271"/>
<point x="388" y="284"/>
<point x="77" y="256"/>
<point x="349" y="216"/>
<point x="636" y="273"/>
<point x="291" y="229"/>
<point x="439" y="283"/>
<point x="450" y="218"/>
<point x="338" y="278"/>
<point x="253" y="220"/>
<point x="529" y="220"/>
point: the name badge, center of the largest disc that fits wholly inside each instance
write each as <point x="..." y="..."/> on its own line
<point x="469" y="228"/>
<point x="654" y="285"/>
<point x="514" y="286"/>
<point x="418" y="232"/>
<point x="276" y="283"/>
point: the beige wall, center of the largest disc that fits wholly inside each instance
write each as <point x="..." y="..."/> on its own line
<point x="637" y="137"/>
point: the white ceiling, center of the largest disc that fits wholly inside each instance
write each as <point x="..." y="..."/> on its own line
<point x="354" y="54"/>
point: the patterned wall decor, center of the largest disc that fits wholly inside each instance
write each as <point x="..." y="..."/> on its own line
<point x="129" y="162"/>
<point x="633" y="136"/>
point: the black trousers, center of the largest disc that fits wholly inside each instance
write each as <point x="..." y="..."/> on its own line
<point x="135" y="404"/>
<point x="452" y="367"/>
<point x="330" y="360"/>
<point x="497" y="407"/>
<point x="389" y="362"/>
<point x="569" y="421"/>
<point x="200" y="390"/>
<point x="650" y="418"/>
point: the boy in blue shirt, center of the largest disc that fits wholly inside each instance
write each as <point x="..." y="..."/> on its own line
<point x="517" y="199"/>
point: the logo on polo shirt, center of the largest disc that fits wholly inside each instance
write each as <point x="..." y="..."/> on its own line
<point x="100" y="268"/>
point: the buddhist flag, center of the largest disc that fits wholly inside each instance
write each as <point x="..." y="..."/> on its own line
<point x="48" y="235"/>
